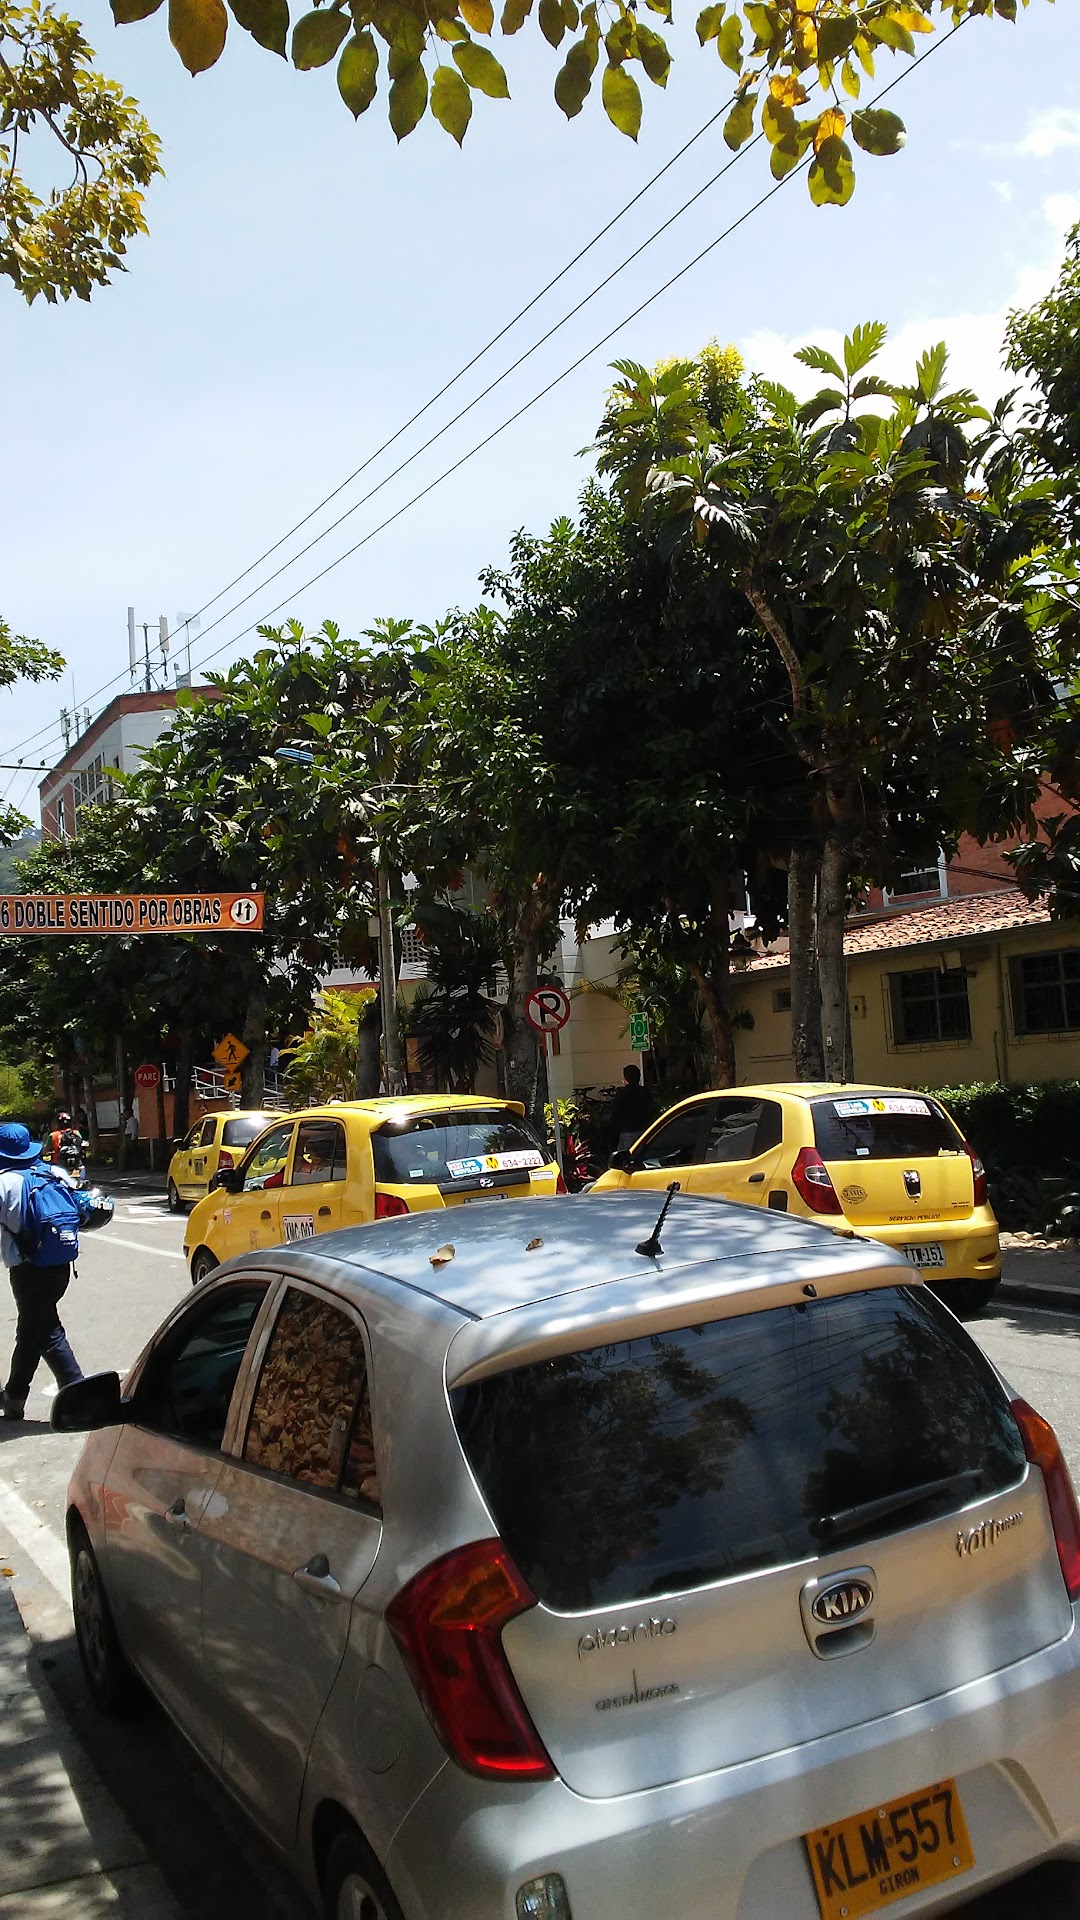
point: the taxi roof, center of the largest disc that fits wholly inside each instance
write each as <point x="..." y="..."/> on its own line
<point x="812" y="1089"/>
<point x="396" y="1106"/>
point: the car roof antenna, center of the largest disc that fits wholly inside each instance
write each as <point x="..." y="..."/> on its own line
<point x="651" y="1247"/>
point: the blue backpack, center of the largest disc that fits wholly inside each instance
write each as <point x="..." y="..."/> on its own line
<point x="51" y="1217"/>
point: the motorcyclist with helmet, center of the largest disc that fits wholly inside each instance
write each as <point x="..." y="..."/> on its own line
<point x="67" y="1149"/>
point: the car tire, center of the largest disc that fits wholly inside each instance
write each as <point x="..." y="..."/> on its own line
<point x="966" y="1297"/>
<point x="354" y="1886"/>
<point x="176" y="1205"/>
<point x="113" y="1685"/>
<point x="203" y="1263"/>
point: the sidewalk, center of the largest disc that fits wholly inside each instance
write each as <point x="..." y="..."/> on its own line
<point x="1037" y="1275"/>
<point x="66" y="1852"/>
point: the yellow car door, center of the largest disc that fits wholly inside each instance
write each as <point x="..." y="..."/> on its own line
<point x="180" y="1165"/>
<point x="253" y="1217"/>
<point x="312" y="1196"/>
<point x="672" y="1146"/>
<point x="203" y="1155"/>
<point x="741" y="1150"/>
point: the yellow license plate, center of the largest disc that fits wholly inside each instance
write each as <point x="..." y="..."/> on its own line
<point x="865" y="1862"/>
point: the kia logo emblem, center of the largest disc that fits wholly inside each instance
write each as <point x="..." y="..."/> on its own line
<point x="845" y="1600"/>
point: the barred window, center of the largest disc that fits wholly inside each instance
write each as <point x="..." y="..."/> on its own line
<point x="929" y="1006"/>
<point x="1046" y="991"/>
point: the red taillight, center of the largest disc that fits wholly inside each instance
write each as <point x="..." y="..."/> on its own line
<point x="560" y="1184"/>
<point x="225" y="1159"/>
<point x="1043" y="1451"/>
<point x="389" y="1205"/>
<point x="812" y="1182"/>
<point x="978" y="1174"/>
<point x="448" y="1624"/>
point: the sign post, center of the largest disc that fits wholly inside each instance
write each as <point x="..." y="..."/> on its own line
<point x="547" y="1010"/>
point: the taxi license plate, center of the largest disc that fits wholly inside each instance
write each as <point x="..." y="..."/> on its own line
<point x="864" y="1863"/>
<point x="929" y="1253"/>
<point x="470" y="1199"/>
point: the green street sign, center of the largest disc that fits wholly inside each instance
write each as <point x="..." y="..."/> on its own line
<point x="639" y="1033"/>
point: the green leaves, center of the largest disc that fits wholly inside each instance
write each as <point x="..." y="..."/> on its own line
<point x="739" y="124"/>
<point x="930" y="371"/>
<point x="481" y="69"/>
<point x="514" y="15"/>
<point x="477" y="14"/>
<point x="574" y="78"/>
<point x="863" y="344"/>
<point x="878" y="131"/>
<point x="729" y="43"/>
<point x="832" y="175"/>
<point x="197" y="29"/>
<point x="552" y="21"/>
<point x="125" y="11"/>
<point x="622" y="100"/>
<point x="408" y="98"/>
<point x="317" y="37"/>
<point x="358" y="72"/>
<point x="451" y="102"/>
<point x="267" y="21"/>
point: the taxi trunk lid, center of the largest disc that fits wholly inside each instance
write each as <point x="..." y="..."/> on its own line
<point x="894" y="1159"/>
<point x="679" y="1503"/>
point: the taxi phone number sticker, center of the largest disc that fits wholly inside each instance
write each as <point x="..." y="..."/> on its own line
<point x="893" y="1103"/>
<point x="495" y="1163"/>
<point x="299" y="1226"/>
<point x="864" y="1863"/>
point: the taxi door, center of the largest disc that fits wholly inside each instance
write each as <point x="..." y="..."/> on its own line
<point x="669" y="1150"/>
<point x="741" y="1149"/>
<point x="311" y="1199"/>
<point x="203" y="1157"/>
<point x="181" y="1164"/>
<point x="252" y="1218"/>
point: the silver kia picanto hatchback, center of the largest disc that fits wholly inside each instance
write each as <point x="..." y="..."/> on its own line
<point x="543" y="1565"/>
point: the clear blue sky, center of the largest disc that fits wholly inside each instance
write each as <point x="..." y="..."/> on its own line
<point x="307" y="284"/>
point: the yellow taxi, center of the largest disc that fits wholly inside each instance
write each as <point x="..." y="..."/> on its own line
<point x="221" y="1140"/>
<point x="879" y="1161"/>
<point x="342" y="1165"/>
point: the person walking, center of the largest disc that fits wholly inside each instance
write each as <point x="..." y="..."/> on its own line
<point x="33" y="1240"/>
<point x="631" y="1109"/>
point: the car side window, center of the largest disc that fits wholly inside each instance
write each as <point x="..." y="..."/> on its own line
<point x="191" y="1139"/>
<point x="206" y="1137"/>
<point x="265" y="1166"/>
<point x="674" y="1143"/>
<point x="311" y="1415"/>
<point x="187" y="1385"/>
<point x="741" y="1130"/>
<point x="320" y="1153"/>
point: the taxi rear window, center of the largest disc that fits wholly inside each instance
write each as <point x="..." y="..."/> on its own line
<point x="445" y="1148"/>
<point x="241" y="1133"/>
<point x="883" y="1126"/>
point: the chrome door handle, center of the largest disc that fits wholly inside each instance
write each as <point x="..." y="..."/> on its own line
<point x="316" y="1577"/>
<point x="177" y="1515"/>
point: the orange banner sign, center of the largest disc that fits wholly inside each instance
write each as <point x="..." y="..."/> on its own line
<point x="119" y="913"/>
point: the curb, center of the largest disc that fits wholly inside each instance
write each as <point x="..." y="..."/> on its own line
<point x="1028" y="1293"/>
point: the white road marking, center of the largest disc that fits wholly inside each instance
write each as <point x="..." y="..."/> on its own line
<point x="37" y="1541"/>
<point x="140" y="1246"/>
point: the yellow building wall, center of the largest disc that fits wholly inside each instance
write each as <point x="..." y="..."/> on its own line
<point x="995" y="1050"/>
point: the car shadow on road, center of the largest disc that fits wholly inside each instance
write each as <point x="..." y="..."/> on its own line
<point x="1019" y="1319"/>
<point x="20" y="1429"/>
<point x="213" y="1861"/>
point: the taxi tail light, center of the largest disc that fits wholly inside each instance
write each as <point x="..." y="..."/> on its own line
<point x="448" y="1624"/>
<point x="560" y="1184"/>
<point x="812" y="1181"/>
<point x="1043" y="1451"/>
<point x="388" y="1206"/>
<point x="978" y="1172"/>
<point x="226" y="1158"/>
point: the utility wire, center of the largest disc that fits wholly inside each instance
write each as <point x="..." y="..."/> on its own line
<point x="479" y="355"/>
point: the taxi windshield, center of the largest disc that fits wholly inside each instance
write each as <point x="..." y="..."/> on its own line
<point x="448" y="1147"/>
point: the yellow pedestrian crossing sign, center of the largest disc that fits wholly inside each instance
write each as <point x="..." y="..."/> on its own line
<point x="233" y="1080"/>
<point x="230" y="1052"/>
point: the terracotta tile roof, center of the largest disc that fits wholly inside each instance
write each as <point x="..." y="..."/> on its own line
<point x="966" y="918"/>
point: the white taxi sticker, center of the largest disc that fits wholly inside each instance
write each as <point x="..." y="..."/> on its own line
<point x="299" y="1226"/>
<point x="495" y="1163"/>
<point x="890" y="1103"/>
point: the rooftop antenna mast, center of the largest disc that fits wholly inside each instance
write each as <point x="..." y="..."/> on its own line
<point x="651" y="1247"/>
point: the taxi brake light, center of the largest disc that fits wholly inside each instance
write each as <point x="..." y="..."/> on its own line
<point x="560" y="1184"/>
<point x="225" y="1158"/>
<point x="1043" y="1450"/>
<point x="978" y="1172"/>
<point x="813" y="1182"/>
<point x="389" y="1205"/>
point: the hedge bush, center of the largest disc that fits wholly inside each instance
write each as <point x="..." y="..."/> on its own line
<point x="1028" y="1136"/>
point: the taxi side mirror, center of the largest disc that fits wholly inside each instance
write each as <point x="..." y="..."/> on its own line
<point x="623" y="1160"/>
<point x="231" y="1178"/>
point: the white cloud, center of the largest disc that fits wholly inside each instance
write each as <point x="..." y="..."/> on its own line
<point x="974" y="339"/>
<point x="1055" y="130"/>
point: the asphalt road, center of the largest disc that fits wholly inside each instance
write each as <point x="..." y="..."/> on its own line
<point x="130" y="1275"/>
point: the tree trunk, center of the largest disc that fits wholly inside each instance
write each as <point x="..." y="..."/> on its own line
<point x="524" y="1079"/>
<point x="713" y="982"/>
<point x="368" y="1036"/>
<point x="182" y="1089"/>
<point x="253" y="1072"/>
<point x="832" y="967"/>
<point x="806" y="1046"/>
<point x="88" y="1100"/>
<point x="121" y="1103"/>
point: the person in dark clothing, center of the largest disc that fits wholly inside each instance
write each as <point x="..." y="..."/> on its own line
<point x="38" y="1291"/>
<point x="631" y="1109"/>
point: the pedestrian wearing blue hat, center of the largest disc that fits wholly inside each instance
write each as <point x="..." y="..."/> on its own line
<point x="38" y="1284"/>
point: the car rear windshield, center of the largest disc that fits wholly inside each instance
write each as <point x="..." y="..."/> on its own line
<point x="444" y="1147"/>
<point x="883" y="1126"/>
<point x="240" y="1133"/>
<point x="670" y="1461"/>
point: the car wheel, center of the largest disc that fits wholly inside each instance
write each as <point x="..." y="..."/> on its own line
<point x="354" y="1885"/>
<point x="176" y="1205"/>
<point x="966" y="1297"/>
<point x="202" y="1265"/>
<point x="112" y="1683"/>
